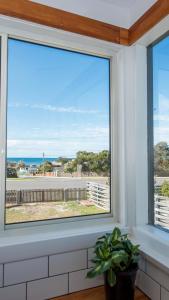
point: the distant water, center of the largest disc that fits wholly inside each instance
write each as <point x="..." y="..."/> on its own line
<point x="31" y="160"/>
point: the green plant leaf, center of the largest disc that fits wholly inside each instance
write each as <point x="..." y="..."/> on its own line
<point x="96" y="260"/>
<point x="95" y="271"/>
<point x="106" y="265"/>
<point x="99" y="269"/>
<point x="111" y="277"/>
<point x="116" y="233"/>
<point x="99" y="252"/>
<point x="118" y="257"/>
<point x="115" y="252"/>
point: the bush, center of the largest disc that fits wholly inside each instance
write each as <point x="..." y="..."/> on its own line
<point x="165" y="189"/>
<point x="11" y="173"/>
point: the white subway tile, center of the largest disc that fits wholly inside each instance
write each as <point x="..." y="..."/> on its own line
<point x="1" y="275"/>
<point x="47" y="288"/>
<point x="67" y="262"/>
<point x="142" y="263"/>
<point x="148" y="286"/>
<point x="78" y="281"/>
<point x="13" y="292"/>
<point x="26" y="270"/>
<point x="158" y="275"/>
<point x="90" y="256"/>
<point x="164" y="294"/>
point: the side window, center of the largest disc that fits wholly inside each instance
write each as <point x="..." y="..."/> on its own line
<point x="58" y="133"/>
<point x="158" y="119"/>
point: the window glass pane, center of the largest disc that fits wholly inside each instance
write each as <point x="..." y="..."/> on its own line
<point x="160" y="61"/>
<point x="58" y="158"/>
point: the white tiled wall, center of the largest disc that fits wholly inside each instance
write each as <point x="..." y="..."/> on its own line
<point x="67" y="262"/>
<point x="153" y="280"/>
<point x="164" y="294"/>
<point x="150" y="287"/>
<point x="47" y="288"/>
<point x="42" y="278"/>
<point x="78" y="281"/>
<point x="22" y="271"/>
<point x="13" y="292"/>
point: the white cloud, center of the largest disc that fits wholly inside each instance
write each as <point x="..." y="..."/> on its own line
<point x="161" y="129"/>
<point x="53" y="108"/>
<point x="60" y="147"/>
<point x="59" y="143"/>
<point x="161" y="118"/>
<point x="163" y="105"/>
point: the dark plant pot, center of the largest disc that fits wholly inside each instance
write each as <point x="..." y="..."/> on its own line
<point x="124" y="287"/>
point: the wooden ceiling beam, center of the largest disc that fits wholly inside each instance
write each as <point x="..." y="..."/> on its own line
<point x="153" y="16"/>
<point x="45" y="15"/>
<point x="53" y="17"/>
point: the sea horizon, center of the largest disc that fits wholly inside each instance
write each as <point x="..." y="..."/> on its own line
<point x="31" y="160"/>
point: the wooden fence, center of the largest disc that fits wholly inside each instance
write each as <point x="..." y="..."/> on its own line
<point x="162" y="211"/>
<point x="96" y="193"/>
<point x="14" y="197"/>
<point x="99" y="194"/>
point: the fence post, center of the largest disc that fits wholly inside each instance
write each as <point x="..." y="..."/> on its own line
<point x="18" y="197"/>
<point x="77" y="196"/>
<point x="43" y="195"/>
<point x="65" y="198"/>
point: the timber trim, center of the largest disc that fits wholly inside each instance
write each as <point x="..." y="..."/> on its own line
<point x="57" y="18"/>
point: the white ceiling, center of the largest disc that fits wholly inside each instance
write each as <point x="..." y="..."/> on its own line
<point x="122" y="3"/>
<point x="117" y="12"/>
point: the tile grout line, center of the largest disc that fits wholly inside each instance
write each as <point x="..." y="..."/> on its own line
<point x="48" y="266"/>
<point x="68" y="283"/>
<point x="87" y="259"/>
<point x="3" y="274"/>
<point x="26" y="290"/>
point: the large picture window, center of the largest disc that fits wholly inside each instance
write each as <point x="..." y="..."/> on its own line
<point x="158" y="120"/>
<point x="58" y="133"/>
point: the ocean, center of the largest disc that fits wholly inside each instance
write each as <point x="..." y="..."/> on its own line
<point x="31" y="160"/>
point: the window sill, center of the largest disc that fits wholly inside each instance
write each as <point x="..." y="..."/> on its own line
<point x="154" y="245"/>
<point x="25" y="243"/>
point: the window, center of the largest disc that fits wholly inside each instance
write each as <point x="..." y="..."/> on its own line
<point x="158" y="119"/>
<point x="58" y="133"/>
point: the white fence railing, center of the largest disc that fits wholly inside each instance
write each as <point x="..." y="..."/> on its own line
<point x="99" y="194"/>
<point x="162" y="211"/>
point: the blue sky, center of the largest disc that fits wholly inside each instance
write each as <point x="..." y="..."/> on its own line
<point x="161" y="90"/>
<point x="58" y="101"/>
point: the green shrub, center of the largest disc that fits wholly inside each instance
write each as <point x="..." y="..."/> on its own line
<point x="165" y="189"/>
<point x="11" y="173"/>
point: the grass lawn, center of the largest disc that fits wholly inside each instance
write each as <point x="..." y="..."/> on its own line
<point x="49" y="210"/>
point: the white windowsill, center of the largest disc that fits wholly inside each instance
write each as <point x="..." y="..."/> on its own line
<point x="25" y="243"/>
<point x="154" y="245"/>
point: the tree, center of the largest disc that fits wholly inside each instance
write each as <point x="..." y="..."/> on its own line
<point x="104" y="162"/>
<point x="11" y="173"/>
<point x="45" y="167"/>
<point x="63" y="160"/>
<point x="70" y="167"/>
<point x="91" y="162"/>
<point x="161" y="159"/>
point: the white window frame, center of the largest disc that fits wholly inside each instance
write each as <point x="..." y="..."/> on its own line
<point x="154" y="241"/>
<point x="64" y="40"/>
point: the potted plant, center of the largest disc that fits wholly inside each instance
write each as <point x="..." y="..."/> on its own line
<point x="117" y="258"/>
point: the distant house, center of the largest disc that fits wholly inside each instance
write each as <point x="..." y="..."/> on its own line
<point x="12" y="165"/>
<point x="58" y="168"/>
